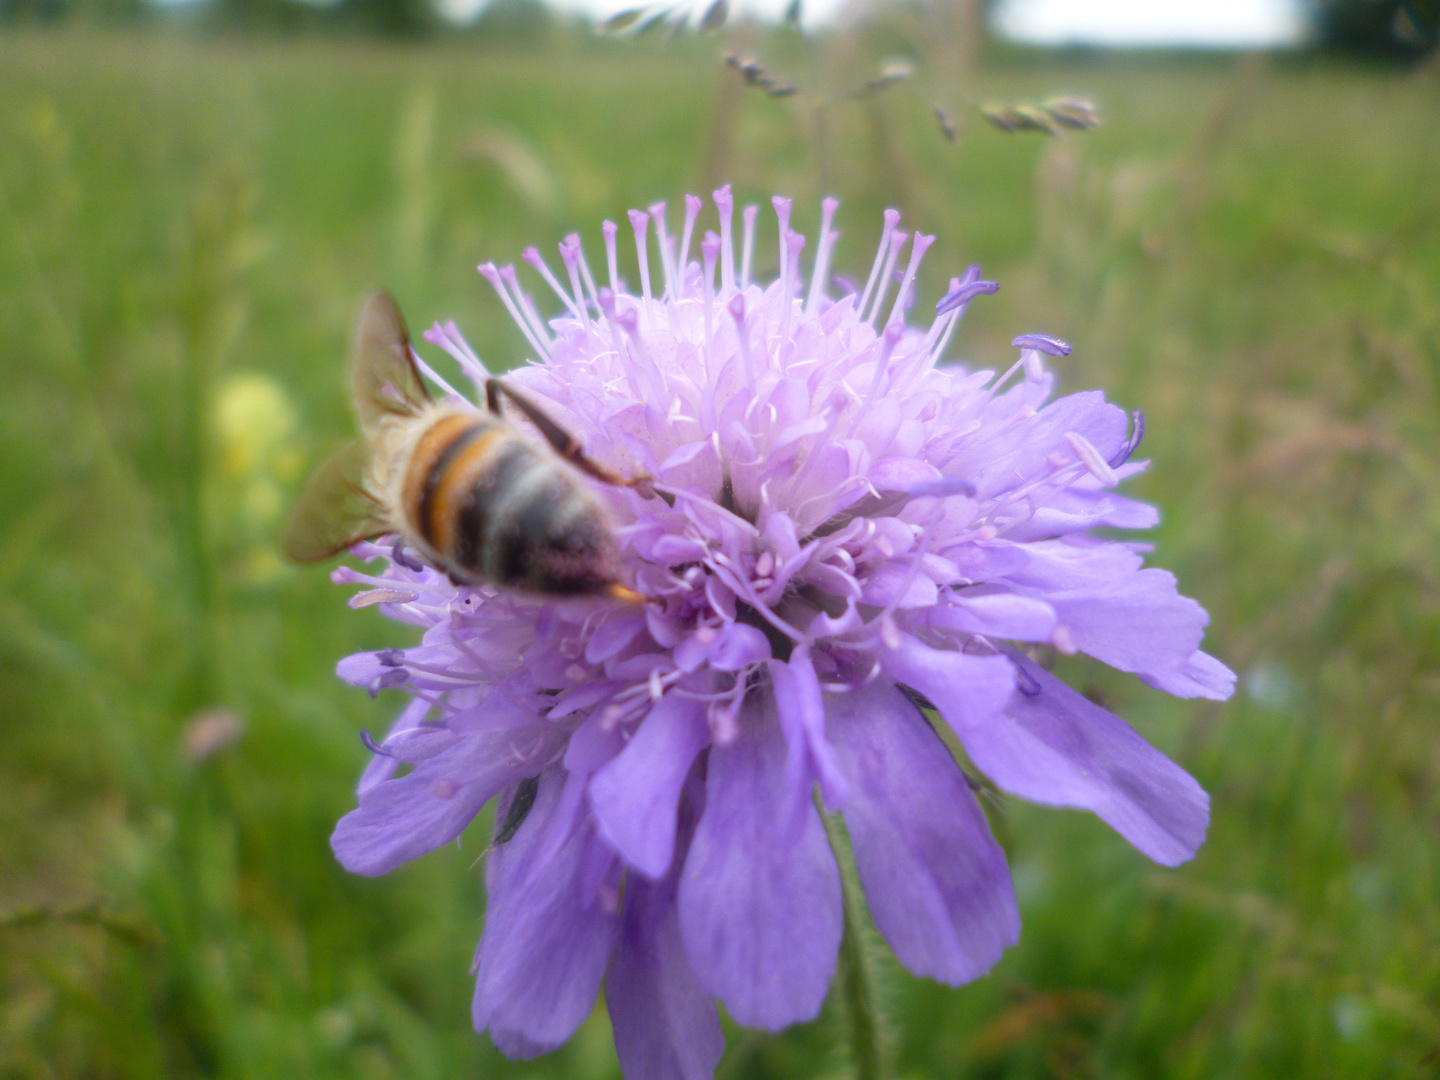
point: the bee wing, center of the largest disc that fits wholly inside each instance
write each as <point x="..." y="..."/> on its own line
<point x="384" y="378"/>
<point x="335" y="511"/>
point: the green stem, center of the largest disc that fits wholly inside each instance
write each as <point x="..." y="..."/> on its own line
<point x="858" y="991"/>
<point x="857" y="979"/>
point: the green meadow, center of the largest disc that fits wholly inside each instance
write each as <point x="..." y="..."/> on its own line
<point x="1246" y="249"/>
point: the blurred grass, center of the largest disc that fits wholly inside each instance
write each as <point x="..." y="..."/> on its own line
<point x="1250" y="253"/>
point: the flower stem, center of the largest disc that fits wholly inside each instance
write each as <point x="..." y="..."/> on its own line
<point x="857" y="976"/>
<point x="858" y="991"/>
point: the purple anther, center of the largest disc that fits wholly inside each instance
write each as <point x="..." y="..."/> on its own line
<point x="1025" y="682"/>
<point x="372" y="745"/>
<point x="399" y="555"/>
<point x="1050" y="346"/>
<point x="390" y="658"/>
<point x="393" y="677"/>
<point x="1137" y="433"/>
<point x="968" y="290"/>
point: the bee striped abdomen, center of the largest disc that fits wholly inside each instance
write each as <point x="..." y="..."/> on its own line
<point x="488" y="506"/>
<point x="489" y="541"/>
<point x="435" y="453"/>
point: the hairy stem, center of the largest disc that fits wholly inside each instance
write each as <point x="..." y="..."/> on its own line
<point x="858" y="992"/>
<point x="857" y="977"/>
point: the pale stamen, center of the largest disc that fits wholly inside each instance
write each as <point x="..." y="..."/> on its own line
<point x="1091" y="459"/>
<point x="640" y="222"/>
<point x="742" y="335"/>
<point x="692" y="211"/>
<point x="607" y="306"/>
<point x="751" y="213"/>
<point x="782" y="213"/>
<point x="725" y="204"/>
<point x="447" y="336"/>
<point x="492" y="275"/>
<point x="709" y="249"/>
<point x="897" y="242"/>
<point x="570" y="256"/>
<point x="610" y="230"/>
<point x="821" y="272"/>
<point x="434" y="376"/>
<point x="892" y="218"/>
<point x="917" y="252"/>
<point x="667" y="265"/>
<point x="527" y="305"/>
<point x="794" y="244"/>
<point x="588" y="278"/>
<point x="532" y="256"/>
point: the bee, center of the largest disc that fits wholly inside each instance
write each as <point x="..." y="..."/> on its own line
<point x="463" y="487"/>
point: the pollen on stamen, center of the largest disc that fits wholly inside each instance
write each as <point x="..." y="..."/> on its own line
<point x="1091" y="459"/>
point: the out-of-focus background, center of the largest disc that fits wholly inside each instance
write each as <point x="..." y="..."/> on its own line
<point x="193" y="200"/>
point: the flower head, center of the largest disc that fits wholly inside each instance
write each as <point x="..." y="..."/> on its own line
<point x="845" y="543"/>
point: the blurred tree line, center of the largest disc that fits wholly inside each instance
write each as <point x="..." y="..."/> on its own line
<point x="384" y="18"/>
<point x="1379" y="28"/>
<point x="1394" y="29"/>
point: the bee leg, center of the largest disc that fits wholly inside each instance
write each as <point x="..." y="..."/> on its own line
<point x="565" y="444"/>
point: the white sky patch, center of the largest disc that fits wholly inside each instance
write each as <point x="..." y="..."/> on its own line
<point x="1214" y="23"/>
<point x="815" y="12"/>
<point x="459" y="11"/>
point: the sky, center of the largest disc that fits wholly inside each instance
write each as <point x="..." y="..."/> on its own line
<point x="1229" y="23"/>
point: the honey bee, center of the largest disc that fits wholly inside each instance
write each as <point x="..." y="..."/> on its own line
<point x="474" y="496"/>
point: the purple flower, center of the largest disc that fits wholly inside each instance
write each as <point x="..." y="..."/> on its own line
<point x="846" y="537"/>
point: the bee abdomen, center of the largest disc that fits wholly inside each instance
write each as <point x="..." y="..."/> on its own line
<point x="491" y="507"/>
<point x="530" y="525"/>
<point x="488" y="513"/>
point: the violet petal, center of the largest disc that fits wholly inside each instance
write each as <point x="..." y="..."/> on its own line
<point x="1059" y="748"/>
<point x="401" y="819"/>
<point x="635" y="796"/>
<point x="546" y="941"/>
<point x="935" y="879"/>
<point x="666" y="1026"/>
<point x="760" y="900"/>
